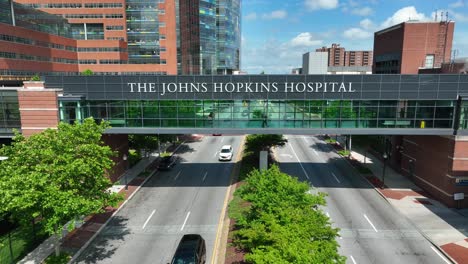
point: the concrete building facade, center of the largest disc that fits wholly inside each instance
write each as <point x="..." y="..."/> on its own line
<point x="315" y="62"/>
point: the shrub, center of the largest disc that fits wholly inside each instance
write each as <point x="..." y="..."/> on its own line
<point x="344" y="153"/>
<point x="133" y="157"/>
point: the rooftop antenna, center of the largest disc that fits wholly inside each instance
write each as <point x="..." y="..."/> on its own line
<point x="435" y="19"/>
<point x="446" y="16"/>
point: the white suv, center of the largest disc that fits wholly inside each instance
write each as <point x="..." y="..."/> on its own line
<point x="225" y="153"/>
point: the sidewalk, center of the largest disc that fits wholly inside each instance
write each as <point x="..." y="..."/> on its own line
<point x="77" y="240"/>
<point x="446" y="228"/>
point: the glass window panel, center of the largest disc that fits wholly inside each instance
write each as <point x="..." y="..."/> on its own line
<point x="168" y="112"/>
<point x="387" y="112"/>
<point x="444" y="112"/>
<point x="425" y="112"/>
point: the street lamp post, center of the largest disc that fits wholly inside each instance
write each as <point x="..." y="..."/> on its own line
<point x="385" y="157"/>
<point x="125" y="157"/>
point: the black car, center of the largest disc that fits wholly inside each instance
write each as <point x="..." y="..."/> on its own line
<point x="191" y="250"/>
<point x="167" y="162"/>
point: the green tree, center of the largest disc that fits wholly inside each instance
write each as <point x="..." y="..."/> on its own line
<point x="283" y="223"/>
<point x="57" y="176"/>
<point x="143" y="142"/>
<point x="35" y="78"/>
<point x="257" y="143"/>
<point x="87" y="72"/>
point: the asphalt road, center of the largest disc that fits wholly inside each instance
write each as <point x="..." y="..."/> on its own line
<point x="187" y="199"/>
<point x="372" y="231"/>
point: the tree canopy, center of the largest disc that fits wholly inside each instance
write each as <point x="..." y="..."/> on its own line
<point x="282" y="223"/>
<point x="57" y="175"/>
<point x="257" y="143"/>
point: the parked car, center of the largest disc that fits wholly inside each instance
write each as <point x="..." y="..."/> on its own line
<point x="225" y="153"/>
<point x="167" y="162"/>
<point x="191" y="250"/>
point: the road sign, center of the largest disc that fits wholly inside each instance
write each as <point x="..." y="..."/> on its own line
<point x="458" y="196"/>
<point x="461" y="182"/>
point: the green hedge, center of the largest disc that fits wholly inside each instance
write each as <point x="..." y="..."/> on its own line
<point x="277" y="221"/>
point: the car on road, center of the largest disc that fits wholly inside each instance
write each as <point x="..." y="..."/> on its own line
<point x="216" y="134"/>
<point x="191" y="250"/>
<point x="225" y="153"/>
<point x="167" y="162"/>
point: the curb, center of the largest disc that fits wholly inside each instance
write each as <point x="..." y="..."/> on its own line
<point x="223" y="220"/>
<point x="78" y="253"/>
<point x="386" y="199"/>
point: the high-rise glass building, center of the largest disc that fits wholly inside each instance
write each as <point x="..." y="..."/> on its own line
<point x="210" y="36"/>
<point x="141" y="37"/>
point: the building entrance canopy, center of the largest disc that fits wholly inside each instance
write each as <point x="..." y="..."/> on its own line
<point x="298" y="104"/>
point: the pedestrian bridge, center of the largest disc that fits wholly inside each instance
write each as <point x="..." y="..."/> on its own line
<point x="292" y="104"/>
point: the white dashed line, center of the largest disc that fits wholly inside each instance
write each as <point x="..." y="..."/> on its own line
<point x="370" y="223"/>
<point x="147" y="220"/>
<point x="216" y="153"/>
<point x="336" y="178"/>
<point x="440" y="255"/>
<point x="186" y="218"/>
<point x="177" y="176"/>
<point x="352" y="259"/>
<point x="294" y="152"/>
<point x="204" y="177"/>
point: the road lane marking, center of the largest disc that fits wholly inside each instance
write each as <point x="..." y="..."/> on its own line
<point x="186" y="218"/>
<point x="286" y="155"/>
<point x="222" y="139"/>
<point x="352" y="259"/>
<point x="440" y="255"/>
<point x="315" y="152"/>
<point x="370" y="223"/>
<point x="294" y="152"/>
<point x="177" y="176"/>
<point x="147" y="220"/>
<point x="204" y="177"/>
<point x="336" y="178"/>
<point x="216" y="153"/>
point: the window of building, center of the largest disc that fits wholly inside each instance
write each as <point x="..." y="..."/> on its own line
<point x="429" y="63"/>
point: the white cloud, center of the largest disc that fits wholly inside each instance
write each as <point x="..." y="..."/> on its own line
<point x="367" y="24"/>
<point x="305" y="39"/>
<point x="251" y="16"/>
<point x="459" y="3"/>
<point x="321" y="4"/>
<point x="277" y="14"/>
<point x="278" y="56"/>
<point x="458" y="17"/>
<point x="365" y="11"/>
<point x="402" y="15"/>
<point x="356" y="33"/>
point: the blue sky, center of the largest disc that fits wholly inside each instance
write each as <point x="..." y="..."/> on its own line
<point x="275" y="33"/>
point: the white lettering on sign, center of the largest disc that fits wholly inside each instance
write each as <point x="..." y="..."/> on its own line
<point x="244" y="87"/>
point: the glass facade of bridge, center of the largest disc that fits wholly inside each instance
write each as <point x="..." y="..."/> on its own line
<point x="267" y="113"/>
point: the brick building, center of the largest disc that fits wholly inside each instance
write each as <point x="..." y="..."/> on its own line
<point x="410" y="46"/>
<point x="438" y="164"/>
<point x="119" y="37"/>
<point x="338" y="56"/>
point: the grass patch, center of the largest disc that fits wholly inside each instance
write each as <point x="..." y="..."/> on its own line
<point x="63" y="258"/>
<point x="330" y="141"/>
<point x="364" y="170"/>
<point x="249" y="162"/>
<point x="237" y="207"/>
<point x="22" y="242"/>
<point x="344" y="153"/>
